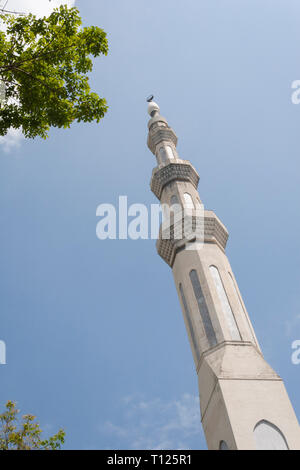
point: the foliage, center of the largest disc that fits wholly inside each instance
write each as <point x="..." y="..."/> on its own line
<point x="25" y="435"/>
<point x="44" y="64"/>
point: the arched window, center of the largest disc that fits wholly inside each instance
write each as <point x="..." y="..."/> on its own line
<point x="206" y="320"/>
<point x="163" y="155"/>
<point x="169" y="152"/>
<point x="223" y="446"/>
<point x="174" y="200"/>
<point x="242" y="310"/>
<point x="188" y="201"/>
<point x="226" y="308"/>
<point x="189" y="322"/>
<point x="269" y="437"/>
<point x="175" y="205"/>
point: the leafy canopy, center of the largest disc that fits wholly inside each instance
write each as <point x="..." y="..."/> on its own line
<point x="25" y="435"/>
<point x="44" y="65"/>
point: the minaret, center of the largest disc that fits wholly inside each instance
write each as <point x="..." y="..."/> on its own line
<point x="243" y="402"/>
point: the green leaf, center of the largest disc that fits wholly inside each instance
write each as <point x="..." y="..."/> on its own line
<point x="25" y="434"/>
<point x="44" y="64"/>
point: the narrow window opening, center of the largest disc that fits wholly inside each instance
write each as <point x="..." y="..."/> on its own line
<point x="190" y="324"/>
<point x="169" y="152"/>
<point x="269" y="437"/>
<point x="174" y="200"/>
<point x="206" y="320"/>
<point x="242" y="310"/>
<point x="163" y="156"/>
<point x="223" y="446"/>
<point x="226" y="308"/>
<point x="175" y="205"/>
<point x="188" y="201"/>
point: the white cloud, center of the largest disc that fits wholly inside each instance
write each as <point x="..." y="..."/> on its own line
<point x="12" y="140"/>
<point x="156" y="424"/>
<point x="14" y="137"/>
<point x="36" y="7"/>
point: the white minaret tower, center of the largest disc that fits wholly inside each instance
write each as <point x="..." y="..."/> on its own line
<point x="243" y="402"/>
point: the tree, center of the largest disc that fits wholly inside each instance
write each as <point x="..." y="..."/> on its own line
<point x="25" y="435"/>
<point x="44" y="65"/>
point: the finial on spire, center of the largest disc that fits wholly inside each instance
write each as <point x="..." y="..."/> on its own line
<point x="153" y="108"/>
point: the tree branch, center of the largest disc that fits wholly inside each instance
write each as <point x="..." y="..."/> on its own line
<point x="37" y="79"/>
<point x="14" y="66"/>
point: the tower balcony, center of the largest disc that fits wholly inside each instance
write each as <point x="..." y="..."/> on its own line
<point x="181" y="170"/>
<point x="179" y="235"/>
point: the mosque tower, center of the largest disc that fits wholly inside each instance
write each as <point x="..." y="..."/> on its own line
<point x="243" y="402"/>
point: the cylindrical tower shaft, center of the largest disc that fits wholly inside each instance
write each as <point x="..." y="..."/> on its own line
<point x="243" y="402"/>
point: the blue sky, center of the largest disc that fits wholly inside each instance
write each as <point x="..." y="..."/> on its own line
<point x="94" y="331"/>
